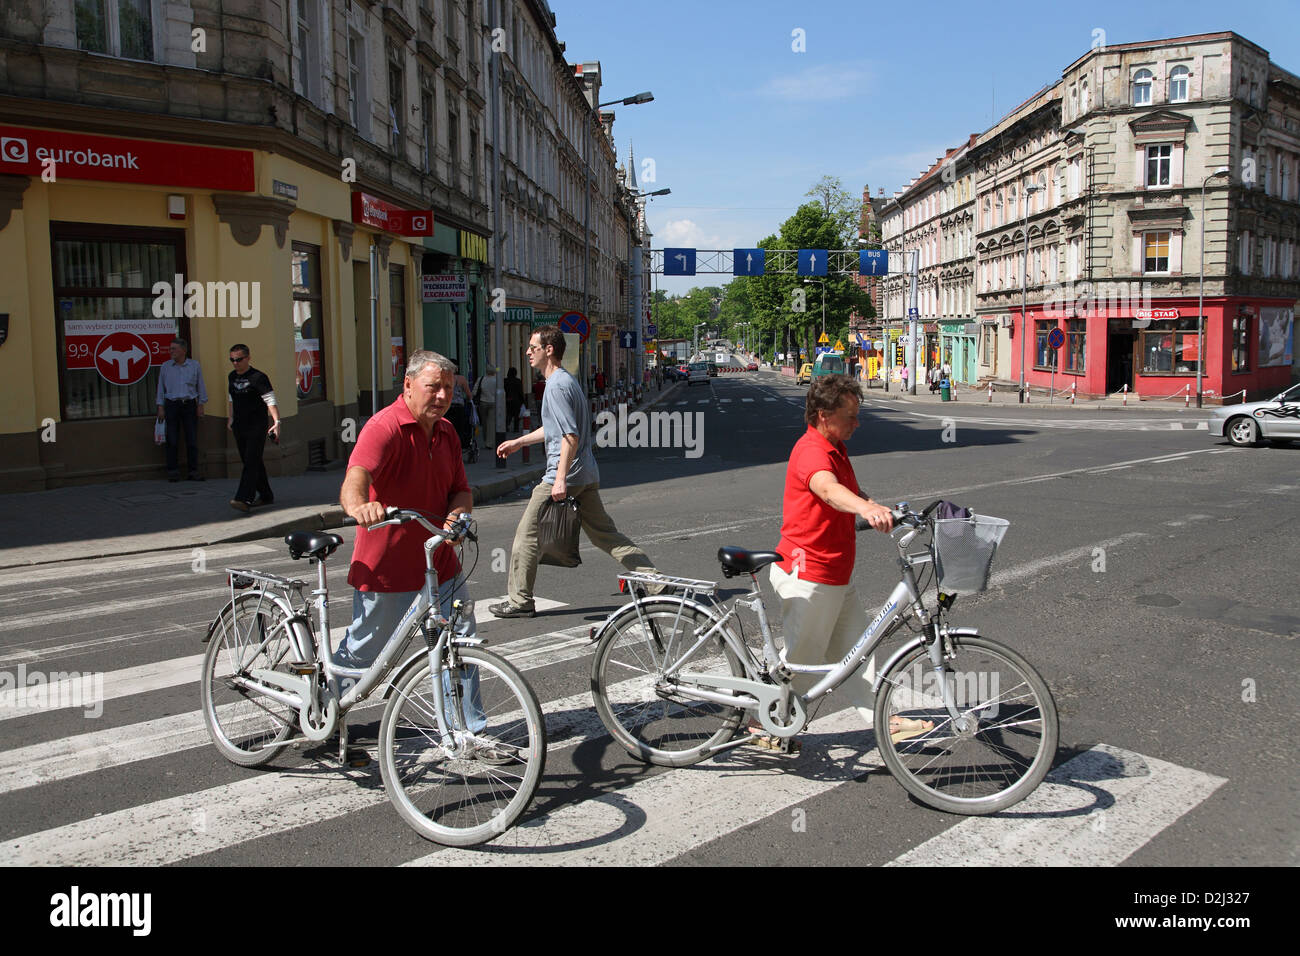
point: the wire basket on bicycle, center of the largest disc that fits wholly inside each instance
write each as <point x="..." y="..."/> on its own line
<point x="963" y="552"/>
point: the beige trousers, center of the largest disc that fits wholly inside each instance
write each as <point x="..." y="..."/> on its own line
<point x="822" y="622"/>
<point x="596" y="522"/>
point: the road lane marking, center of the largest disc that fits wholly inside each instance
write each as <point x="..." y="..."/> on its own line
<point x="91" y="567"/>
<point x="1097" y="809"/>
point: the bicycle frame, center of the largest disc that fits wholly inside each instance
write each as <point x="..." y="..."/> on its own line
<point x="761" y="696"/>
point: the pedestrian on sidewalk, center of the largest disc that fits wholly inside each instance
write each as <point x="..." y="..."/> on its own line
<point x="251" y="399"/>
<point x="539" y="388"/>
<point x="904" y="374"/>
<point x="485" y="396"/>
<point x="570" y="472"/>
<point x="599" y="378"/>
<point x="934" y="379"/>
<point x="458" y="412"/>
<point x="407" y="456"/>
<point x="514" y="389"/>
<point x="180" y="400"/>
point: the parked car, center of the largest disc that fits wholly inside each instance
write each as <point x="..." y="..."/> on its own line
<point x="698" y="372"/>
<point x="751" y="367"/>
<point x="805" y="373"/>
<point x="1277" y="419"/>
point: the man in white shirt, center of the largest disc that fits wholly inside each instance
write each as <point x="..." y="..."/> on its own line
<point x="180" y="400"/>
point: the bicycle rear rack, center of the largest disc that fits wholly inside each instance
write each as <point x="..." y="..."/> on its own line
<point x="668" y="582"/>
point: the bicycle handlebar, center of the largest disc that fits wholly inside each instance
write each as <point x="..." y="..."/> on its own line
<point x="903" y="515"/>
<point x="461" y="527"/>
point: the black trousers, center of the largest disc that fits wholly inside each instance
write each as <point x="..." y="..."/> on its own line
<point x="182" y="414"/>
<point x="250" y="437"/>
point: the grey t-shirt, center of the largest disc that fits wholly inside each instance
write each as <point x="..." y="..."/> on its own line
<point x="565" y="412"/>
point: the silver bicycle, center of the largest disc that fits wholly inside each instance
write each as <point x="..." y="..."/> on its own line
<point x="461" y="755"/>
<point x="964" y="723"/>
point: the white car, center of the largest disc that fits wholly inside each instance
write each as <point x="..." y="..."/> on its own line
<point x="1277" y="419"/>
<point x="698" y="372"/>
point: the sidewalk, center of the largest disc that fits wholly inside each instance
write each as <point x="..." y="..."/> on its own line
<point x="967" y="397"/>
<point x="130" y="517"/>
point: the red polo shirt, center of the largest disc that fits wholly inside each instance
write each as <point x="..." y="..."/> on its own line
<point x="409" y="471"/>
<point x="826" y="536"/>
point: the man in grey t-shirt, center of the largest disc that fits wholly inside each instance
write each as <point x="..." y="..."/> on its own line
<point x="570" y="472"/>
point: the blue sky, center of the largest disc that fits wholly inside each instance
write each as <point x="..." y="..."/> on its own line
<point x="742" y="125"/>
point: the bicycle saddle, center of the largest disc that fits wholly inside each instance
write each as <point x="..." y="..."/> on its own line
<point x="313" y="544"/>
<point x="741" y="561"/>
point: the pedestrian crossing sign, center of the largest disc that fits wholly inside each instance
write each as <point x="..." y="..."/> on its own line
<point x="839" y="346"/>
<point x="823" y="340"/>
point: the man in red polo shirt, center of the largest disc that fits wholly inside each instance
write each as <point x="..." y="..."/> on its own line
<point x="408" y="455"/>
<point x="822" y="613"/>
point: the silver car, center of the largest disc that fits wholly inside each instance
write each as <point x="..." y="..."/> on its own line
<point x="1277" y="419"/>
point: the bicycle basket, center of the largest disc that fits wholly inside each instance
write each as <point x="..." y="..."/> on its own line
<point x="963" y="551"/>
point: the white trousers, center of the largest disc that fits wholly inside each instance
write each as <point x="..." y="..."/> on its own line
<point x="822" y="622"/>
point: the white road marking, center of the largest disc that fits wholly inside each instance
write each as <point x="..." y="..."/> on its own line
<point x="1097" y="809"/>
<point x="1031" y="568"/>
<point x="88" y="567"/>
<point x="746" y="399"/>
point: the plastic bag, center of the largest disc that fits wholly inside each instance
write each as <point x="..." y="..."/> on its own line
<point x="557" y="533"/>
<point x="160" y="433"/>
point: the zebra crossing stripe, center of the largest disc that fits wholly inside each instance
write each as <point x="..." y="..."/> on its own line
<point x="82" y="569"/>
<point x="660" y="818"/>
<point x="1063" y="823"/>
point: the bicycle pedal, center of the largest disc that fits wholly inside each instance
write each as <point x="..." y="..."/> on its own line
<point x="302" y="670"/>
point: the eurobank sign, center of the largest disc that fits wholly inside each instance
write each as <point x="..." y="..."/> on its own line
<point x="114" y="159"/>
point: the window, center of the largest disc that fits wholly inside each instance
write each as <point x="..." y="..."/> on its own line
<point x="1178" y="87"/>
<point x="308" y="323"/>
<point x="1281" y="175"/>
<point x="1044" y="354"/>
<point x="1155" y="252"/>
<point x="990" y="342"/>
<point x="1074" y="177"/>
<point x="453" y="148"/>
<point x="1085" y="100"/>
<point x="103" y="280"/>
<point x="1268" y="261"/>
<point x="117" y="27"/>
<point x="1072" y="260"/>
<point x="1169" y="347"/>
<point x="1142" y="81"/>
<point x="397" y="321"/>
<point x="1051" y="264"/>
<point x="1246" y="254"/>
<point x="395" y="98"/>
<point x="1158" y="158"/>
<point x="358" y="91"/>
<point x="1241" y="343"/>
<point x="306" y="52"/>
<point x="1075" y="345"/>
<point x="473" y="163"/>
<point x="427" y="130"/>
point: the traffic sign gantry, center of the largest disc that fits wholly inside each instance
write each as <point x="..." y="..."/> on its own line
<point x="122" y="358"/>
<point x="575" y="323"/>
<point x="873" y="262"/>
<point x="747" y="262"/>
<point x="812" y="262"/>
<point x="679" y="262"/>
<point x="1055" y="338"/>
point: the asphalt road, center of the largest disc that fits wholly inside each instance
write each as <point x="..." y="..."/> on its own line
<point x="1149" y="574"/>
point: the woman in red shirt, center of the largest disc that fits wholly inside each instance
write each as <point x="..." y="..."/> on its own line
<point x="822" y="613"/>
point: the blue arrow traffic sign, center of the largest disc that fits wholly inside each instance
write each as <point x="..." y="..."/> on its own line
<point x="627" y="340"/>
<point x="679" y="262"/>
<point x="812" y="262"/>
<point x="913" y="313"/>
<point x="873" y="262"/>
<point x="747" y="262"/>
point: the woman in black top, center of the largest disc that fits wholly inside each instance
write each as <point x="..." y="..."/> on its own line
<point x="514" y="388"/>
<point x="251" y="400"/>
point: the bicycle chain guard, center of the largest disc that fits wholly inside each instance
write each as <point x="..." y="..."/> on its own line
<point x="768" y="697"/>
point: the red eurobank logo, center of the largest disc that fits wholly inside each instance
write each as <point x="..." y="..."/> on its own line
<point x="113" y="159"/>
<point x="372" y="211"/>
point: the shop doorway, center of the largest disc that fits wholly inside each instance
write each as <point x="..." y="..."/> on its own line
<point x="1119" y="361"/>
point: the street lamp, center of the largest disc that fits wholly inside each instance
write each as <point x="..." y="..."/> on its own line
<point x="1200" y="302"/>
<point x="1024" y="275"/>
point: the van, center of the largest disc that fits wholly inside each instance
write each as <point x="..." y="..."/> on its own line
<point x="829" y="363"/>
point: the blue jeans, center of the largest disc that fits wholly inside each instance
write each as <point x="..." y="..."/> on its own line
<point x="376" y="615"/>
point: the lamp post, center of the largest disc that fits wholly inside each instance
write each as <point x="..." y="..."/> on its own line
<point x="819" y="282"/>
<point x="586" y="198"/>
<point x="637" y="267"/>
<point x="1024" y="275"/>
<point x="1200" y="301"/>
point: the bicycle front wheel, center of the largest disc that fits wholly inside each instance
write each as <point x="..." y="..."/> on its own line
<point x="651" y="722"/>
<point x="480" y="792"/>
<point x="1007" y="743"/>
<point x="248" y="728"/>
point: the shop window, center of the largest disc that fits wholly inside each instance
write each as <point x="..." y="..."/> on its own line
<point x="1044" y="354"/>
<point x="1169" y="347"/>
<point x="1155" y="252"/>
<point x="1241" y="343"/>
<point x="103" y="284"/>
<point x="1076" y="345"/>
<point x="397" y="321"/>
<point x="308" y="323"/>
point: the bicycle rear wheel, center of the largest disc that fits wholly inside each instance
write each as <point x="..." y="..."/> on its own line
<point x="651" y="723"/>
<point x="999" y="758"/>
<point x="480" y="793"/>
<point x="248" y="728"/>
